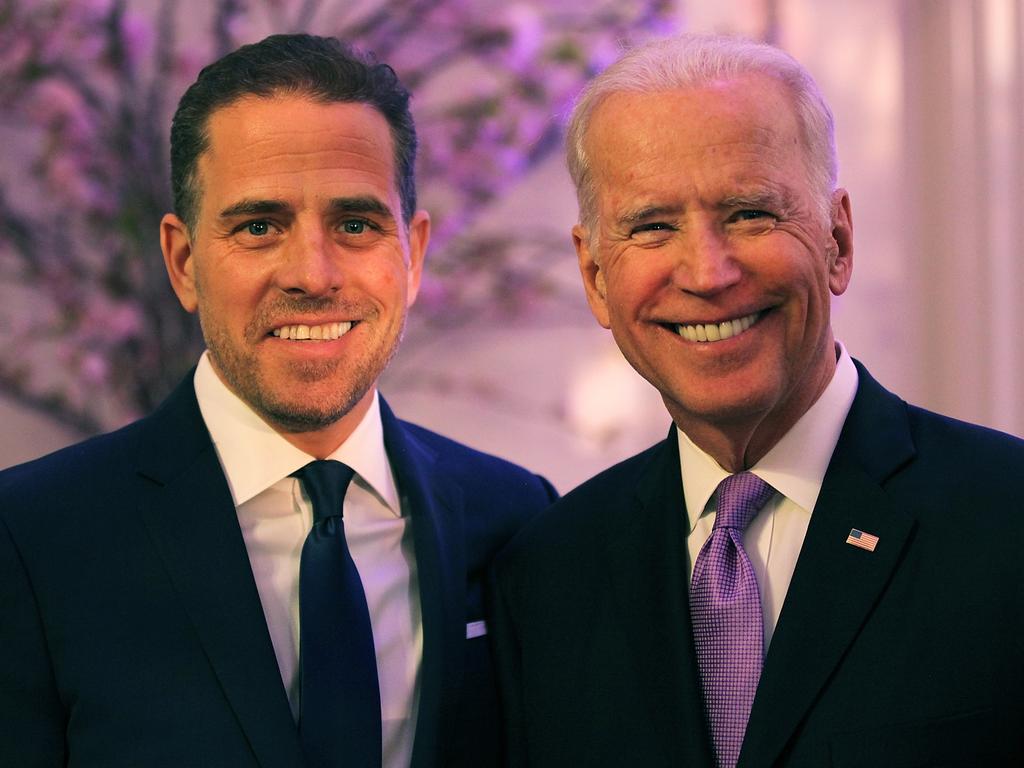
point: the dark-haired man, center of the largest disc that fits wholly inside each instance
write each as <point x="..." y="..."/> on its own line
<point x="808" y="571"/>
<point x="153" y="611"/>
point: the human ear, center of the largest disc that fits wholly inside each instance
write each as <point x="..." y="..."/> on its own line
<point x="176" y="244"/>
<point x="593" y="276"/>
<point x="840" y="262"/>
<point x="419" y="236"/>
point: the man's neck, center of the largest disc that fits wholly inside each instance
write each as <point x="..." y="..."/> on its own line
<point x="738" y="444"/>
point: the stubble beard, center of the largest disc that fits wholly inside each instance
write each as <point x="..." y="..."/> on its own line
<point x="241" y="371"/>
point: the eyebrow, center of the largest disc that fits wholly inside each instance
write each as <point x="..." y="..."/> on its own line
<point x="649" y="212"/>
<point x="363" y="204"/>
<point x="762" y="199"/>
<point x="253" y="208"/>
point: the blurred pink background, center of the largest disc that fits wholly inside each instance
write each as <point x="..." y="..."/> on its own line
<point x="928" y="97"/>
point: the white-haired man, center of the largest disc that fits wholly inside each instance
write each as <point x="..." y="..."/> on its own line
<point x="807" y="571"/>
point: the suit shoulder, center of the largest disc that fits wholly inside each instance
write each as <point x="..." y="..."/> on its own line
<point x="473" y="467"/>
<point x="496" y="496"/>
<point x="561" y="526"/>
<point x="617" y="482"/>
<point x="91" y="464"/>
<point x="971" y="445"/>
<point x="83" y="463"/>
<point x="878" y="414"/>
<point x="74" y="485"/>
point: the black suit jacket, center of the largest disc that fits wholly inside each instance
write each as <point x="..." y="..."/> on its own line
<point x="131" y="630"/>
<point x="911" y="655"/>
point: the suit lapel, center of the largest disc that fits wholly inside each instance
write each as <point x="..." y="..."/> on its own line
<point x="187" y="509"/>
<point x="436" y="506"/>
<point x="835" y="585"/>
<point x="648" y="573"/>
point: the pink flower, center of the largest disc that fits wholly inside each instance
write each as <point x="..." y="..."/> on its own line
<point x="188" y="62"/>
<point x="64" y="175"/>
<point x="527" y="36"/>
<point x="94" y="368"/>
<point x="14" y="53"/>
<point x="109" y="321"/>
<point x="435" y="294"/>
<point x="137" y="36"/>
<point x="124" y="321"/>
<point x="54" y="100"/>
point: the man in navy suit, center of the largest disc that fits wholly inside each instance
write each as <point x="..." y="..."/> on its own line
<point x="149" y="578"/>
<point x="862" y="605"/>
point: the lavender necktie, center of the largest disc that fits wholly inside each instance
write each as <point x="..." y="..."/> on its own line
<point x="725" y="606"/>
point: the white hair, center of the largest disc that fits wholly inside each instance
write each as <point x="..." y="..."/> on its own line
<point x="691" y="61"/>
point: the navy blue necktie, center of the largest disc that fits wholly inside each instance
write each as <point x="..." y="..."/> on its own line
<point x="339" y="710"/>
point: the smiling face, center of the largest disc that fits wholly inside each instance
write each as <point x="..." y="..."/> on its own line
<point x="710" y="261"/>
<point x="300" y="266"/>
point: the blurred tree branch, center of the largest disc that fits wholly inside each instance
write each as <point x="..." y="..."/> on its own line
<point x="93" y="334"/>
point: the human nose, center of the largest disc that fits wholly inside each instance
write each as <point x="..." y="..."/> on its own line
<point x="310" y="266"/>
<point x="706" y="265"/>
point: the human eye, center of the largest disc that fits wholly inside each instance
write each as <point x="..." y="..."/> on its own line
<point x="752" y="221"/>
<point x="257" y="228"/>
<point x="752" y="214"/>
<point x="357" y="226"/>
<point x="358" y="232"/>
<point x="653" y="226"/>
<point x="255" y="232"/>
<point x="651" y="234"/>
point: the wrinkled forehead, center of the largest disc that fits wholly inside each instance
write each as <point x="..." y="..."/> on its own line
<point x="297" y="152"/>
<point x="750" y="118"/>
<point x="712" y="111"/>
<point x="255" y="118"/>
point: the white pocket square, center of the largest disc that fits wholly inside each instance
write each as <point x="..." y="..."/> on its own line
<point x="476" y="629"/>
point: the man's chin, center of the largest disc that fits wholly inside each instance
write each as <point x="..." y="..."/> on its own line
<point x="294" y="397"/>
<point x="296" y="418"/>
<point x="722" y="411"/>
<point x="308" y="406"/>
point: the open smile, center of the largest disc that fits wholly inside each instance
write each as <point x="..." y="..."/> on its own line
<point x="709" y="332"/>
<point x="325" y="332"/>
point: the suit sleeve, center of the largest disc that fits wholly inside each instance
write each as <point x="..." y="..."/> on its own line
<point x="508" y="668"/>
<point x="32" y="734"/>
<point x="549" y="489"/>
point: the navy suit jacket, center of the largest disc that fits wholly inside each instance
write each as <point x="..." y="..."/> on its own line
<point x="911" y="655"/>
<point x="131" y="630"/>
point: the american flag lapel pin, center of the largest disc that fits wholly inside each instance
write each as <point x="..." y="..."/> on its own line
<point x="862" y="540"/>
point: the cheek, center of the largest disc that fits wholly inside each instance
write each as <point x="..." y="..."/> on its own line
<point x="392" y="284"/>
<point x="388" y="284"/>
<point x="629" y="284"/>
<point x="794" y="270"/>
<point x="229" y="303"/>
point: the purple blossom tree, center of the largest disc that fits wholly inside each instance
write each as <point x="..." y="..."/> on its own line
<point x="93" y="333"/>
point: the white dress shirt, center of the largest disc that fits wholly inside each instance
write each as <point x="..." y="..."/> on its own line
<point x="795" y="468"/>
<point x="275" y="515"/>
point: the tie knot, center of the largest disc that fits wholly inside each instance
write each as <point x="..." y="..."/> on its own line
<point x="740" y="497"/>
<point x="325" y="483"/>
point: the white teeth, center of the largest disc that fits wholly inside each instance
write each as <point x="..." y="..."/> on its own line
<point x="325" y="332"/>
<point x="717" y="331"/>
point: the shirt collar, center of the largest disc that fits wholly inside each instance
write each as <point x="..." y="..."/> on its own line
<point x="795" y="466"/>
<point x="254" y="456"/>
